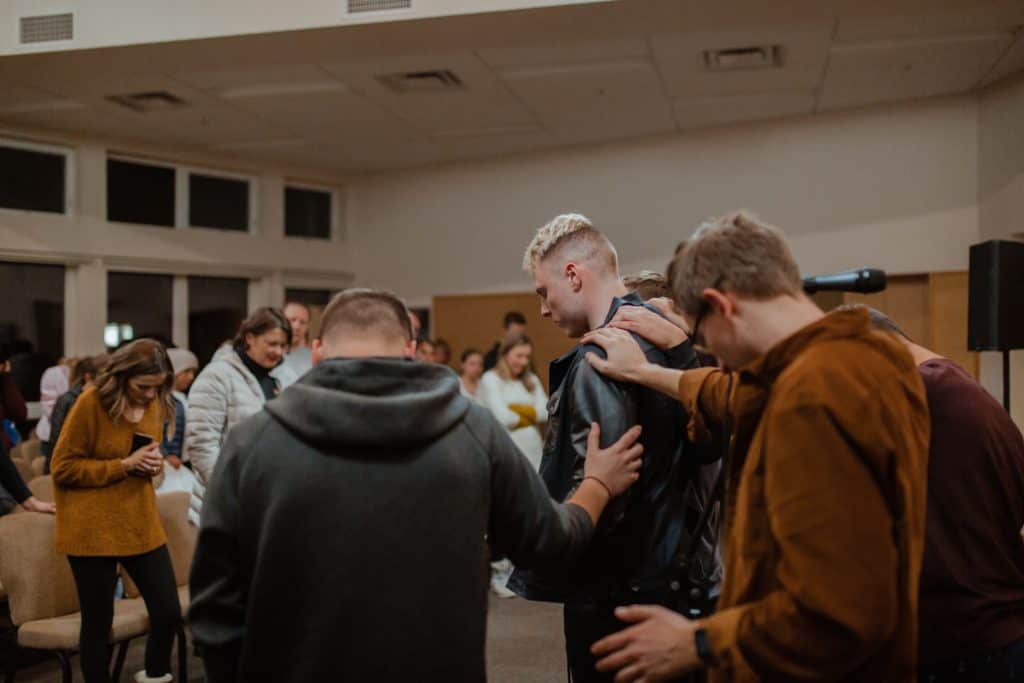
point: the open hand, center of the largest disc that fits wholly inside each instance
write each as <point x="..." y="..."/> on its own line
<point x="33" y="504"/>
<point x="649" y="325"/>
<point x="625" y="357"/>
<point x="659" y="646"/>
<point x="617" y="466"/>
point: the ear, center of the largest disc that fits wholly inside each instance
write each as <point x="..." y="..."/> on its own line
<point x="722" y="302"/>
<point x="317" y="351"/>
<point x="572" y="273"/>
<point x="409" y="349"/>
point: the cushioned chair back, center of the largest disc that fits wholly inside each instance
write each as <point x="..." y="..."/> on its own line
<point x="42" y="488"/>
<point x="181" y="538"/>
<point x="38" y="581"/>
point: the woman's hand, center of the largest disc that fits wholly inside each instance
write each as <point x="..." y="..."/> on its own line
<point x="527" y="415"/>
<point x="33" y="504"/>
<point x="617" y="466"/>
<point x="174" y="461"/>
<point x="145" y="462"/>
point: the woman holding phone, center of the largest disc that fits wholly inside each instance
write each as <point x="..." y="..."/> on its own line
<point x="103" y="464"/>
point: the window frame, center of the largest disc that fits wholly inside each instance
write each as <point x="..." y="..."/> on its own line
<point x="69" y="172"/>
<point x="335" y="233"/>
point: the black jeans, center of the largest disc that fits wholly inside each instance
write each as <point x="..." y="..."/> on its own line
<point x="95" y="578"/>
<point x="1004" y="664"/>
<point x="585" y="624"/>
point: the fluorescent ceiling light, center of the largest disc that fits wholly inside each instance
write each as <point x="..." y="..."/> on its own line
<point x="273" y="89"/>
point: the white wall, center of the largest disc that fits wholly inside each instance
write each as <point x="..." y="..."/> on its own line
<point x="890" y="187"/>
<point x="1001" y="203"/>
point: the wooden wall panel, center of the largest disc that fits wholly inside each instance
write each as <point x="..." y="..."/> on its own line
<point x="906" y="301"/>
<point x="475" y="321"/>
<point x="948" y="312"/>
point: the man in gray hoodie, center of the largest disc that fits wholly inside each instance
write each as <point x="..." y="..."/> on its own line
<point x="346" y="526"/>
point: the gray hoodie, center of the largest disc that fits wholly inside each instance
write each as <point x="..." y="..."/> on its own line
<point x="344" y="533"/>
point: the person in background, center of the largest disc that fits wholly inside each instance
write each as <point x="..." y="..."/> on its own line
<point x="971" y="607"/>
<point x="14" y="485"/>
<point x="425" y="351"/>
<point x="513" y="324"/>
<point x="516" y="398"/>
<point x="368" y="466"/>
<point x="184" y="364"/>
<point x="55" y="381"/>
<point x="417" y="325"/>
<point x="232" y="387"/>
<point x="471" y="369"/>
<point x="648" y="284"/>
<point x="299" y="359"/>
<point x="83" y="375"/>
<point x="106" y="504"/>
<point x="442" y="352"/>
<point x="12" y="403"/>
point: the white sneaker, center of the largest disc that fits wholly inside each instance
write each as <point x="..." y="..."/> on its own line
<point x="141" y="677"/>
<point x="499" y="588"/>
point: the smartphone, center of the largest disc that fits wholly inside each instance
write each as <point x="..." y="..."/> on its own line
<point x="140" y="441"/>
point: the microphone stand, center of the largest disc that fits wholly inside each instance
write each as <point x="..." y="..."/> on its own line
<point x="1006" y="379"/>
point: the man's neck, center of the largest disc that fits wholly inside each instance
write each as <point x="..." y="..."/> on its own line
<point x="777" y="319"/>
<point x="600" y="300"/>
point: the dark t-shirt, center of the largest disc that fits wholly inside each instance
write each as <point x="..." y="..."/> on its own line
<point x="972" y="578"/>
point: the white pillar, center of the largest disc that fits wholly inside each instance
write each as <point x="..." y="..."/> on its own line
<point x="179" y="311"/>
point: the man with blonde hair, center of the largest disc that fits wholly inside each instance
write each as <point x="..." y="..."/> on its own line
<point x="825" y="487"/>
<point x="636" y="550"/>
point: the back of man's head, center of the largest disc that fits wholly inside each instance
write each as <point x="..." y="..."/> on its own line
<point x="571" y="237"/>
<point x="735" y="253"/>
<point x="880" y="321"/>
<point x="365" y="322"/>
<point x="514" y="318"/>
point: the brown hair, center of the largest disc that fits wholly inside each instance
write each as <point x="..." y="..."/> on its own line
<point x="647" y="283"/>
<point x="88" y="365"/>
<point x="502" y="367"/>
<point x="261" y="321"/>
<point x="366" y="309"/>
<point x="736" y="253"/>
<point x="140" y="357"/>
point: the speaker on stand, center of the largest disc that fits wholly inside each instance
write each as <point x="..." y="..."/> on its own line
<point x="995" y="317"/>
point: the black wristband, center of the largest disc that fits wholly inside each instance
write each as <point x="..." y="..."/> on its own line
<point x="703" y="645"/>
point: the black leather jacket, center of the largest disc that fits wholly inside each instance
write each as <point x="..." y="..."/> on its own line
<point x="636" y="549"/>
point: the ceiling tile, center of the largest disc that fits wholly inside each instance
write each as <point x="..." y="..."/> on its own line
<point x="864" y="22"/>
<point x="566" y="53"/>
<point x="1010" y="63"/>
<point x="886" y="72"/>
<point x="680" y="59"/>
<point x="696" y="112"/>
<point x="222" y="79"/>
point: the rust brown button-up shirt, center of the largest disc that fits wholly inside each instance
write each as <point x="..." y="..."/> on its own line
<point x="825" y="506"/>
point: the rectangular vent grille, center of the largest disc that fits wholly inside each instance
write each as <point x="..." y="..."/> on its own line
<point x="47" y="28"/>
<point x="355" y="6"/>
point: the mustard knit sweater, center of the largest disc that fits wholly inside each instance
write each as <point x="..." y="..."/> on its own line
<point x="101" y="509"/>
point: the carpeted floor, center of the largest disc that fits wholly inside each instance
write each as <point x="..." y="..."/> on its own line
<point x="524" y="645"/>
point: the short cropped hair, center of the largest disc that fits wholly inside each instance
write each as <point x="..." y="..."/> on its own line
<point x="513" y="318"/>
<point x="880" y="321"/>
<point x="574" y="235"/>
<point x="357" y="311"/>
<point x="736" y="253"/>
<point x="647" y="283"/>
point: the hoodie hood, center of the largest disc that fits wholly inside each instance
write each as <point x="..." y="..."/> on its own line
<point x="383" y="403"/>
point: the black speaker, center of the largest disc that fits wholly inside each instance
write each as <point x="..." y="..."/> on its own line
<point x="995" y="318"/>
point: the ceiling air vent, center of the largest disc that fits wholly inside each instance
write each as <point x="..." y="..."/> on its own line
<point x="356" y="6"/>
<point x="144" y="102"/>
<point x="743" y="58"/>
<point x="47" y="28"/>
<point x="422" y="81"/>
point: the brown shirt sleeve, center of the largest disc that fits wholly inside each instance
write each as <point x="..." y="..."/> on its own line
<point x="73" y="464"/>
<point x="835" y="598"/>
<point x="703" y="393"/>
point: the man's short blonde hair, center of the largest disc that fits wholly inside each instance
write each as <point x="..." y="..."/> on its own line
<point x="575" y="237"/>
<point x="735" y="253"/>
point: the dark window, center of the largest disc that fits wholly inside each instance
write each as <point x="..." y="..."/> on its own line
<point x="215" y="202"/>
<point x="216" y="307"/>
<point x="31" y="180"/>
<point x="310" y="297"/>
<point x="32" y="323"/>
<point x="140" y="193"/>
<point x="138" y="305"/>
<point x="307" y="213"/>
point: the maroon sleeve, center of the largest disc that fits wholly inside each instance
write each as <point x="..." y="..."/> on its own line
<point x="14" y="408"/>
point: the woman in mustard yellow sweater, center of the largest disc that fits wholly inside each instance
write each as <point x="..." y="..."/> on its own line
<point x="106" y="504"/>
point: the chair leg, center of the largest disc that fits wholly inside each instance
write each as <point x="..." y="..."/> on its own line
<point x="65" y="666"/>
<point x="12" y="665"/>
<point x="122" y="652"/>
<point x="182" y="655"/>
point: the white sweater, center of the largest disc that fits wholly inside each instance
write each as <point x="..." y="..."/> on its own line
<point x="496" y="394"/>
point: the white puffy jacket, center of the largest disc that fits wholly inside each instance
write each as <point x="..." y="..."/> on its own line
<point x="224" y="394"/>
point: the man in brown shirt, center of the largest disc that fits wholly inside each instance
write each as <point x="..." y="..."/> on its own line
<point x="825" y="481"/>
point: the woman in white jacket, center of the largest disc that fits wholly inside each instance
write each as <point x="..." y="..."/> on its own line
<point x="234" y="386"/>
<point x="516" y="397"/>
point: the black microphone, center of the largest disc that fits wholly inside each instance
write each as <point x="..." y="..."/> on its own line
<point x="862" y="280"/>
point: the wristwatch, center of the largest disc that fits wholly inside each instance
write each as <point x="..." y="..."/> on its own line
<point x="700" y="639"/>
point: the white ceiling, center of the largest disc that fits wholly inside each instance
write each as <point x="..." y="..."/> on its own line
<point x="532" y="80"/>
